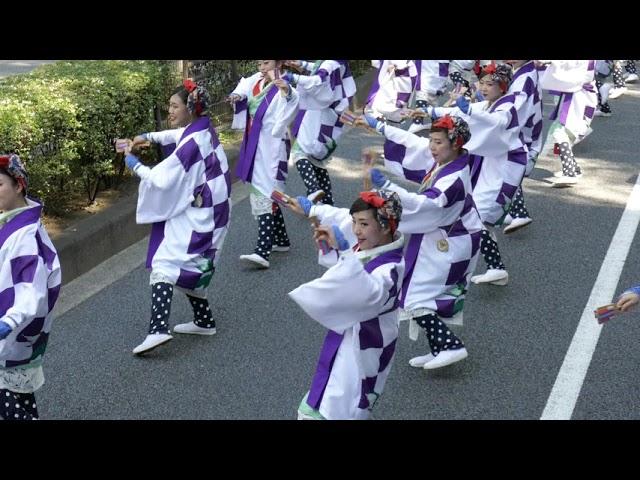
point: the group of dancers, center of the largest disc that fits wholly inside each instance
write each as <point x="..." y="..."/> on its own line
<point x="394" y="253"/>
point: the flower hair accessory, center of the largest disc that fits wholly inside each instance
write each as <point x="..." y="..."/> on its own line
<point x="15" y="168"/>
<point x="198" y="100"/>
<point x="457" y="129"/>
<point x="499" y="73"/>
<point x="388" y="207"/>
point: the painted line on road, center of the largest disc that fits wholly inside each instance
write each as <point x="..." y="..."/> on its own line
<point x="568" y="384"/>
<point x="113" y="269"/>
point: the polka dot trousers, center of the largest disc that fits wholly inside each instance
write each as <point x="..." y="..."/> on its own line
<point x="17" y="406"/>
<point x="440" y="336"/>
<point x="490" y="251"/>
<point x="280" y="236"/>
<point x="161" y="297"/>
<point x="457" y="78"/>
<point x="618" y="79"/>
<point x="315" y="178"/>
<point x="603" y="107"/>
<point x="202" y="315"/>
<point x="518" y="209"/>
<point x="570" y="167"/>
<point x="630" y="67"/>
<point x="420" y="104"/>
<point x="271" y="229"/>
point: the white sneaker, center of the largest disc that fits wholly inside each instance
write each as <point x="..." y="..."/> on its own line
<point x="255" y="259"/>
<point x="600" y="113"/>
<point x="507" y="219"/>
<point x="316" y="196"/>
<point x="632" y="78"/>
<point x="152" y="341"/>
<point x="494" y="276"/>
<point x="419" y="362"/>
<point x="447" y="357"/>
<point x="616" y="92"/>
<point x="192" y="328"/>
<point x="517" y="224"/>
<point x="417" y="127"/>
<point x="280" y="248"/>
<point x="559" y="174"/>
<point x="563" y="181"/>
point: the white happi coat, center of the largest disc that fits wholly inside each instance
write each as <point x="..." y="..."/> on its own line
<point x="392" y="88"/>
<point x="357" y="300"/>
<point x="499" y="154"/>
<point x="30" y="280"/>
<point x="186" y="197"/>
<point x="435" y="280"/>
<point x="324" y="95"/>
<point x="525" y="86"/>
<point x="432" y="77"/>
<point x="270" y="161"/>
<point x="574" y="82"/>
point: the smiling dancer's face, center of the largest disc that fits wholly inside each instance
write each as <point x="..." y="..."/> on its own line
<point x="265" y="65"/>
<point x="490" y="89"/>
<point x="441" y="148"/>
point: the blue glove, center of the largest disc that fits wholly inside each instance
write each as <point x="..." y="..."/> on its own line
<point x="479" y="96"/>
<point x="340" y="240"/>
<point x="463" y="103"/>
<point x="305" y="203"/>
<point x="5" y="330"/>
<point x="378" y="179"/>
<point x="131" y="161"/>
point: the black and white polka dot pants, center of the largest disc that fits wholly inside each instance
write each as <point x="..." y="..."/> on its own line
<point x="490" y="251"/>
<point x="280" y="236"/>
<point x="440" y="336"/>
<point x="631" y="67"/>
<point x="266" y="225"/>
<point x="420" y="104"/>
<point x="202" y="315"/>
<point x="457" y="78"/>
<point x="315" y="178"/>
<point x="570" y="167"/>
<point x="603" y="107"/>
<point x="618" y="79"/>
<point x="518" y="209"/>
<point x="161" y="297"/>
<point x="17" y="406"/>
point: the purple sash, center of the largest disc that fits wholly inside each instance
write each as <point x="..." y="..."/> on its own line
<point x="249" y="146"/>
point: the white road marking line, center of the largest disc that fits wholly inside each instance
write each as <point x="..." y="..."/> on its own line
<point x="566" y="388"/>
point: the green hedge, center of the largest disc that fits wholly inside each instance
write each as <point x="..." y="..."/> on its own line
<point x="62" y="119"/>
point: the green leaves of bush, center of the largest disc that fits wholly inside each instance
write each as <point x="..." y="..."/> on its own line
<point x="62" y="119"/>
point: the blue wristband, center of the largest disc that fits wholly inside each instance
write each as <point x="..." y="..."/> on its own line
<point x="131" y="161"/>
<point x="305" y="204"/>
<point x="5" y="330"/>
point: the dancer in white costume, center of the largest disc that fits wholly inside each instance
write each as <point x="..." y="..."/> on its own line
<point x="29" y="287"/>
<point x="357" y="301"/>
<point x="264" y="106"/>
<point x="444" y="227"/>
<point x="186" y="199"/>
